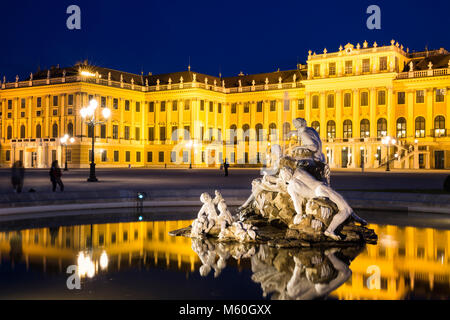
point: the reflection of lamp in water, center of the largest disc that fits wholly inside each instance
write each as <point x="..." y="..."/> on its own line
<point x="104" y="260"/>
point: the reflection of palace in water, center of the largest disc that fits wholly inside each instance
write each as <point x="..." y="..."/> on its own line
<point x="411" y="260"/>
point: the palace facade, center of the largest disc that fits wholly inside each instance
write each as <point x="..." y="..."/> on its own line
<point x="353" y="97"/>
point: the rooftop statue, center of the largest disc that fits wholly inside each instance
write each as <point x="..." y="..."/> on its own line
<point x="292" y="205"/>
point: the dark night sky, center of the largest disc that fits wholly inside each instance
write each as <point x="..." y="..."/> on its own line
<point x="227" y="36"/>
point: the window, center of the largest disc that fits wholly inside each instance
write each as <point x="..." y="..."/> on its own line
<point x="366" y="65"/>
<point x="127" y="156"/>
<point x="116" y="156"/>
<point x="259" y="131"/>
<point x="9" y="133"/>
<point x="315" y="102"/>
<point x="138" y="106"/>
<point x="219" y="108"/>
<point x="364" y="98"/>
<point x="420" y="127"/>
<point x="90" y="130"/>
<point x="401" y="98"/>
<point x="401" y="128"/>
<point x="202" y="106"/>
<point x="259" y="106"/>
<point x="286" y="104"/>
<point x="420" y="96"/>
<point x="187" y="104"/>
<point x="138" y="156"/>
<point x="383" y="64"/>
<point x="347" y="99"/>
<point x="162" y="133"/>
<point x="330" y="101"/>
<point x="103" y="131"/>
<point x="317" y="70"/>
<point x="163" y="106"/>
<point x="23" y="103"/>
<point x="55" y="101"/>
<point x="69" y="100"/>
<point x="174" y="133"/>
<point x="9" y="104"/>
<point x="151" y="134"/>
<point x="440" y="95"/>
<point x="115" y="131"/>
<point x="104" y="156"/>
<point x="173" y="156"/>
<point x="381" y="128"/>
<point x="55" y="112"/>
<point x="187" y="132"/>
<point x="137" y="133"/>
<point x="316" y="126"/>
<point x="161" y="156"/>
<point x="38" y="113"/>
<point x="22" y="114"/>
<point x="381" y="97"/>
<point x="151" y="106"/>
<point x="174" y="105"/>
<point x="348" y="67"/>
<point x="332" y="68"/>
<point x="22" y="132"/>
<point x="364" y="128"/>
<point x="246" y="107"/>
<point x="116" y="104"/>
<point x="233" y="107"/>
<point x="185" y="156"/>
<point x="331" y="129"/>
<point x="127" y="133"/>
<point x="273" y="105"/>
<point x="8" y="155"/>
<point x="69" y="111"/>
<point x="149" y="156"/>
<point x="211" y="106"/>
<point x="127" y="105"/>
<point x="246" y="132"/>
<point x="9" y="115"/>
<point x="38" y="103"/>
<point x="70" y="129"/>
<point x="439" y="126"/>
<point x="103" y="102"/>
<point x="272" y="129"/>
<point x="347" y="129"/>
<point x="55" y="131"/>
<point x="38" y="131"/>
<point x="301" y="104"/>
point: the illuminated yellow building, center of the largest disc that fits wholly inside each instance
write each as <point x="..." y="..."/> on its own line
<point x="353" y="97"/>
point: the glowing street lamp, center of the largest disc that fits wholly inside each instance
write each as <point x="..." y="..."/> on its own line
<point x="388" y="141"/>
<point x="64" y="141"/>
<point x="88" y="113"/>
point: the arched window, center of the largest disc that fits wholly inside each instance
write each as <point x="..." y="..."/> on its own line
<point x="331" y="129"/>
<point x="315" y="102"/>
<point x="316" y="126"/>
<point x="330" y="101"/>
<point x="439" y="126"/>
<point x="22" y="132"/>
<point x="272" y="131"/>
<point x="38" y="131"/>
<point x="381" y="128"/>
<point x="233" y="133"/>
<point x="70" y="129"/>
<point x="286" y="130"/>
<point x="259" y="131"/>
<point x="420" y="127"/>
<point x="246" y="132"/>
<point x="364" y="128"/>
<point x="401" y="128"/>
<point x="347" y="129"/>
<point x="9" y="133"/>
<point x="55" y="131"/>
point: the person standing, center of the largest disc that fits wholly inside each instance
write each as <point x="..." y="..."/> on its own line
<point x="225" y="167"/>
<point x="17" y="176"/>
<point x="55" y="176"/>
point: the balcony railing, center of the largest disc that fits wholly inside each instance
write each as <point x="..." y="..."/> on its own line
<point x="424" y="73"/>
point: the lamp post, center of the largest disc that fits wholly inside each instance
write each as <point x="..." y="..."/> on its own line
<point x="88" y="113"/>
<point x="64" y="140"/>
<point x="388" y="141"/>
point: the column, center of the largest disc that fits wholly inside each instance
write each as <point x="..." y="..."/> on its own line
<point x="410" y="115"/>
<point x="390" y="113"/>
<point x="322" y="108"/>
<point x="356" y="118"/>
<point x="373" y="113"/>
<point x="339" y="132"/>
<point x="429" y="119"/>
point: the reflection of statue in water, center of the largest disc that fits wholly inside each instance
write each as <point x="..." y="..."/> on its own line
<point x="284" y="274"/>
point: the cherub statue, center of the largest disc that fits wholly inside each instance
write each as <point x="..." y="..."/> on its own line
<point x="225" y="218"/>
<point x="206" y="217"/>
